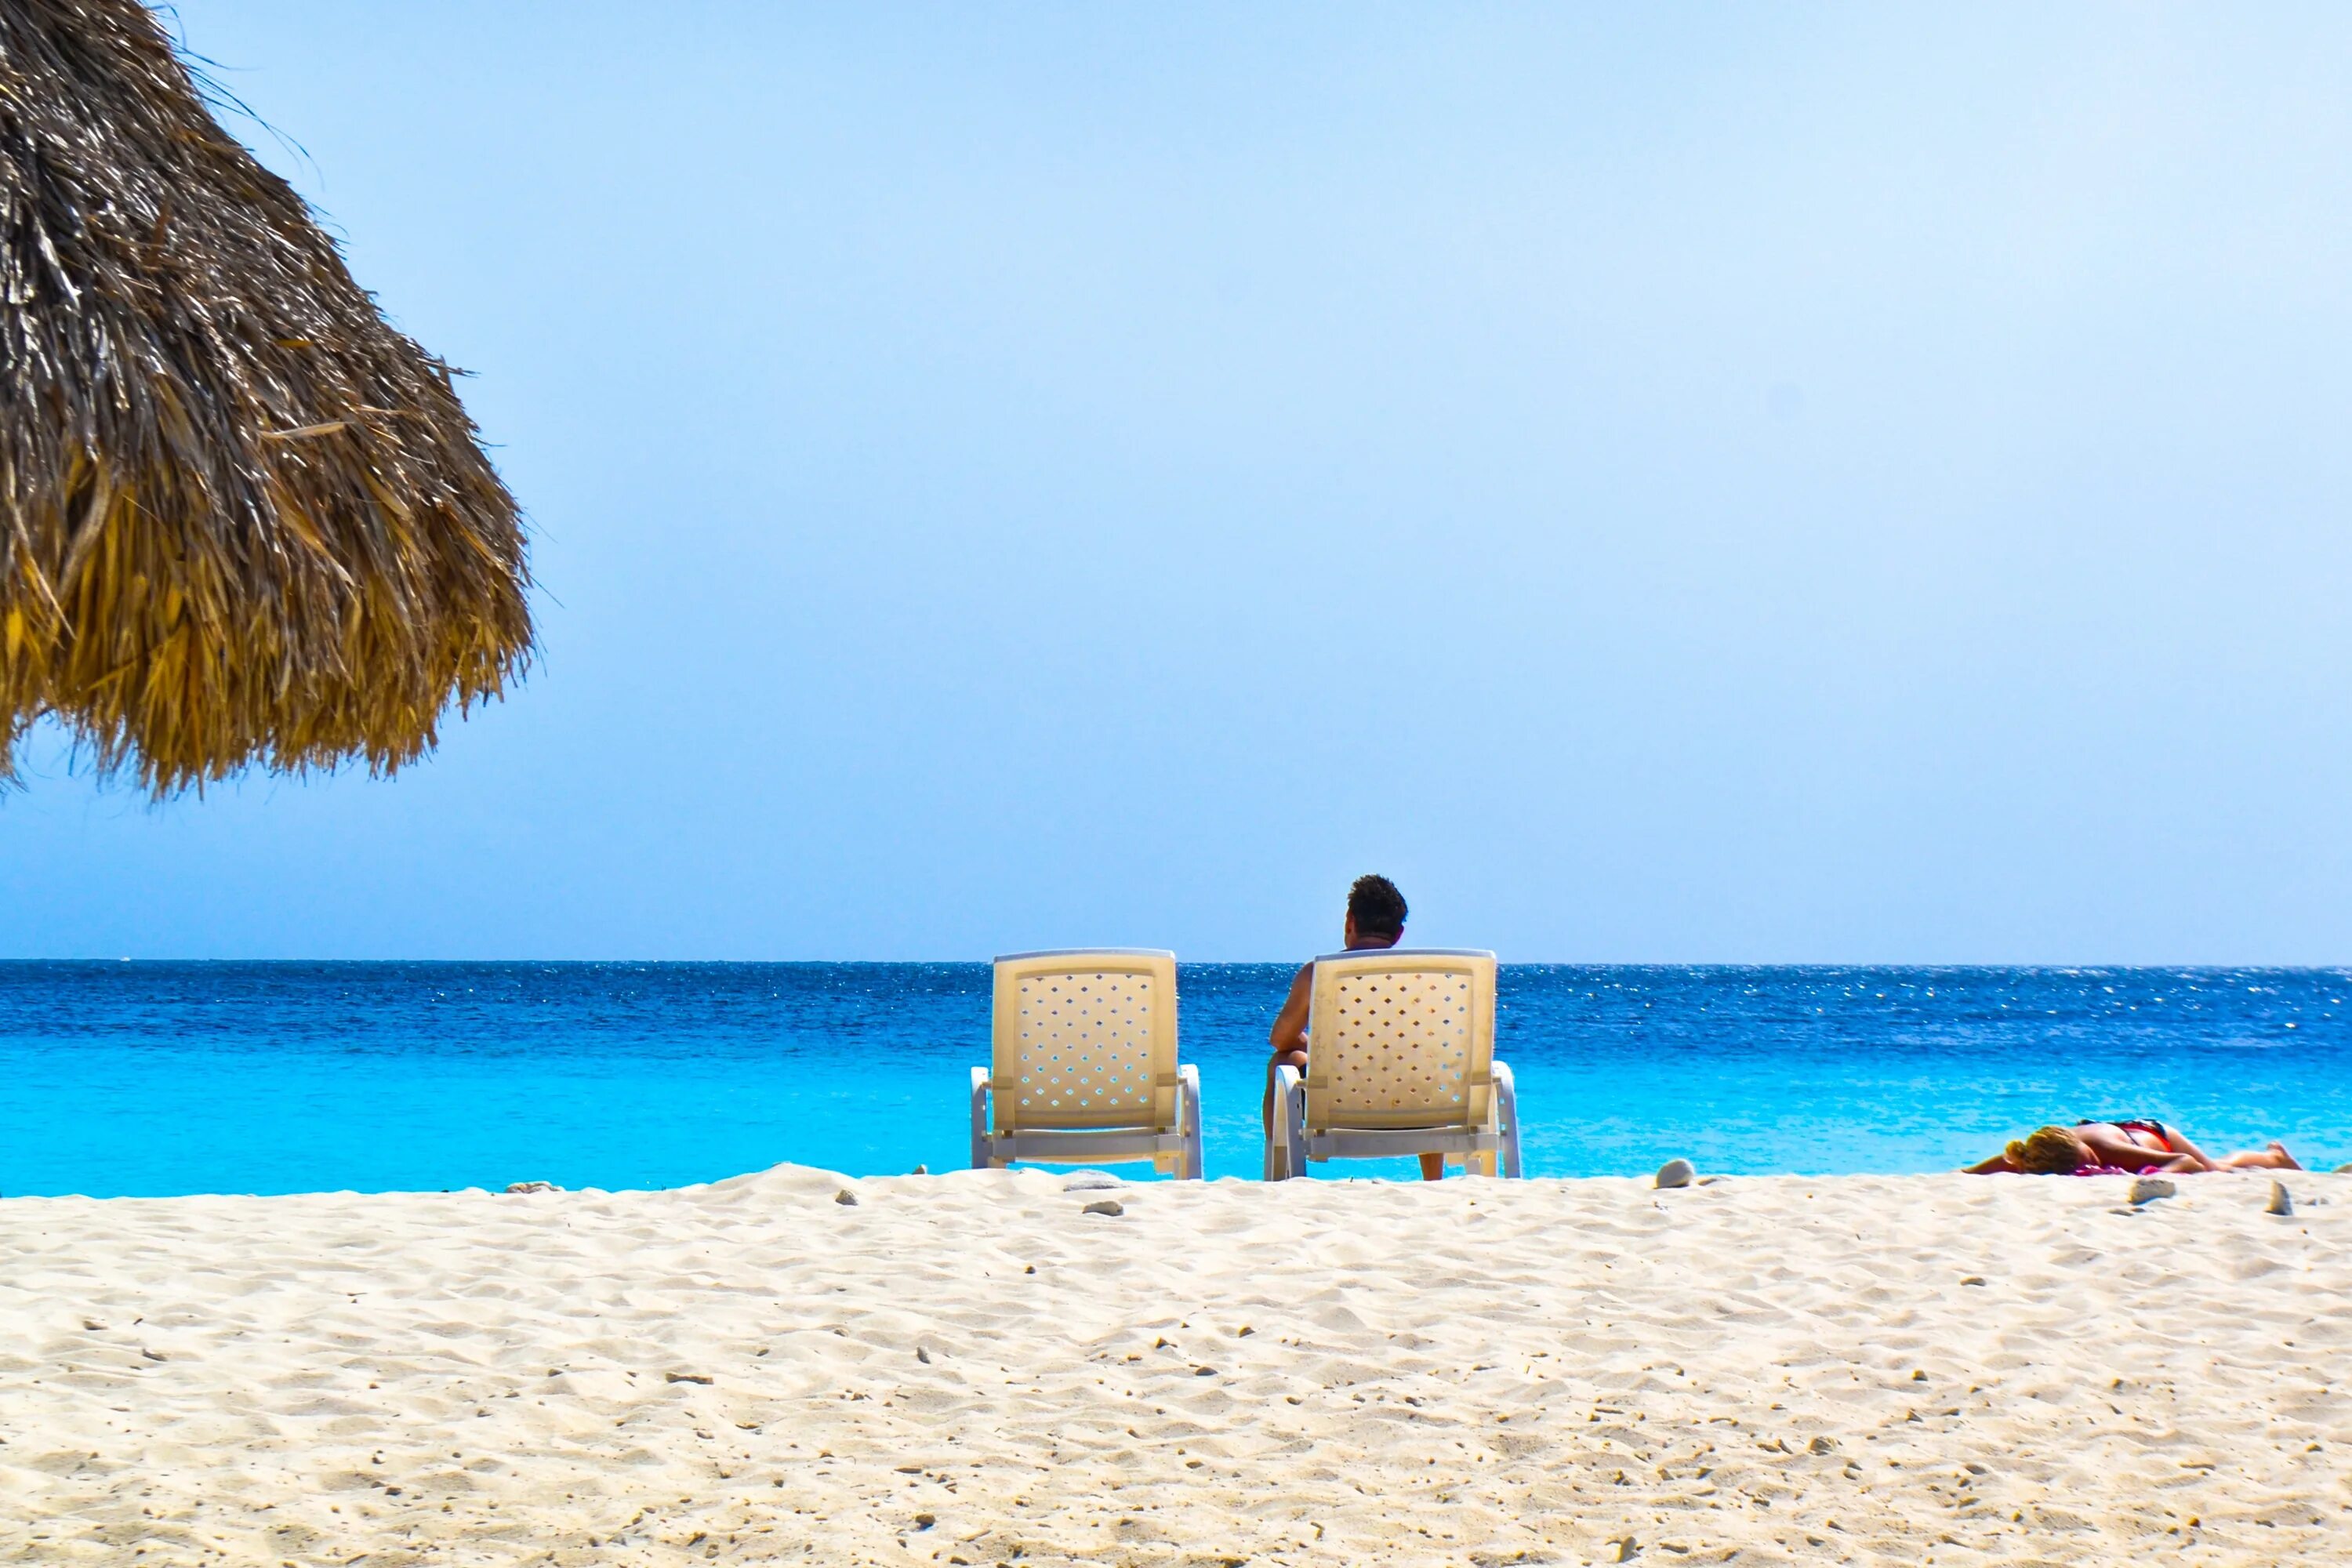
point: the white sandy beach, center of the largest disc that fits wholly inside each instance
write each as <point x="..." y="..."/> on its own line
<point x="968" y="1369"/>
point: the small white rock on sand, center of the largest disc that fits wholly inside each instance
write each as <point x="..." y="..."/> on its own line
<point x="969" y="1369"/>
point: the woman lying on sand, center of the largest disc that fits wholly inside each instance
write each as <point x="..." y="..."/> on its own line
<point x="2132" y="1146"/>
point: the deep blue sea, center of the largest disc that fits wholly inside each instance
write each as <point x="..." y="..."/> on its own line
<point x="157" y="1079"/>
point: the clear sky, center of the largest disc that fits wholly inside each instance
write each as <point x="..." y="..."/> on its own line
<point x="1664" y="482"/>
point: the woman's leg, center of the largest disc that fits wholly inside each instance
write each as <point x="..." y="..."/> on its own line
<point x="2275" y="1158"/>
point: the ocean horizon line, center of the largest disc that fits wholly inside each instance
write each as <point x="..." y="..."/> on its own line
<point x="1663" y="966"/>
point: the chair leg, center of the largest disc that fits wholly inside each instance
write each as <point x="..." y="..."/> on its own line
<point x="1188" y="1082"/>
<point x="1280" y="1164"/>
<point x="1507" y="1105"/>
<point x="1294" y="1123"/>
<point x="980" y="1161"/>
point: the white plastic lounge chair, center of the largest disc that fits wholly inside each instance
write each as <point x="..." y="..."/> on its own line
<point x="1085" y="1063"/>
<point x="1400" y="1060"/>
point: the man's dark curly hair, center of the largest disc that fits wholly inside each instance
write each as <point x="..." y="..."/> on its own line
<point x="1376" y="907"/>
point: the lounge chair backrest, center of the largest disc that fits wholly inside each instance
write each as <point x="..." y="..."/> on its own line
<point x="1084" y="1038"/>
<point x="1401" y="1037"/>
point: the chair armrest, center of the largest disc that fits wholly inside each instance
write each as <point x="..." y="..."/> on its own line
<point x="1278" y="1133"/>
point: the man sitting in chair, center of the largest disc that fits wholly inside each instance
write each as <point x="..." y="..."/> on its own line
<point x="1375" y="919"/>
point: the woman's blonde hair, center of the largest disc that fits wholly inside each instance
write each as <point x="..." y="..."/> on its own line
<point x="2048" y="1151"/>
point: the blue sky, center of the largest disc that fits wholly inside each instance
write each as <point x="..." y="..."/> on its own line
<point x="1664" y="483"/>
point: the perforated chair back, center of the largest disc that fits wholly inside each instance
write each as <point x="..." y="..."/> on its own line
<point x="1401" y="1037"/>
<point x="1085" y="1039"/>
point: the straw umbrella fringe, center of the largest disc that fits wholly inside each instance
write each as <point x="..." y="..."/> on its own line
<point x="246" y="522"/>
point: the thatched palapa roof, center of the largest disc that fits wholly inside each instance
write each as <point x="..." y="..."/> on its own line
<point x="246" y="522"/>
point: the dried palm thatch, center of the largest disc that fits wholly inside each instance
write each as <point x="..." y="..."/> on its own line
<point x="247" y="523"/>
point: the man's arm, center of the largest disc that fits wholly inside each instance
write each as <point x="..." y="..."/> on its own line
<point x="1290" y="1024"/>
<point x="1289" y="1037"/>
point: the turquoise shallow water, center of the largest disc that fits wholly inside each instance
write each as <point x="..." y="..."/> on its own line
<point x="156" y="1079"/>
